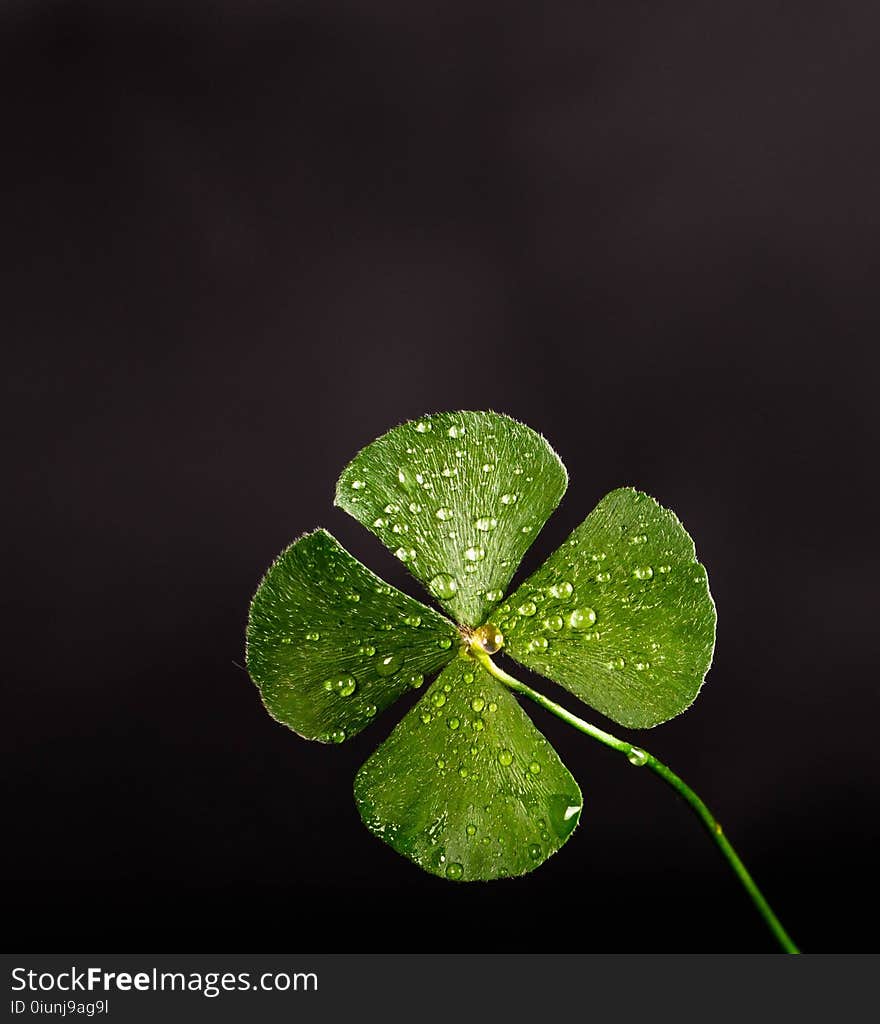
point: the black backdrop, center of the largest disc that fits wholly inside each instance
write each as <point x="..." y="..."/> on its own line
<point x="241" y="240"/>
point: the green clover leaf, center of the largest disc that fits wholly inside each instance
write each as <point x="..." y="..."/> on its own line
<point x="620" y="615"/>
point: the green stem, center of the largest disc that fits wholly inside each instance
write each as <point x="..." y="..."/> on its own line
<point x="639" y="757"/>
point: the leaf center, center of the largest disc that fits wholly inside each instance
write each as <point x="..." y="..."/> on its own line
<point x="486" y="639"/>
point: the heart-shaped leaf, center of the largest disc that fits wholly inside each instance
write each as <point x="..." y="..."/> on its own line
<point x="620" y="615"/>
<point x="459" y="497"/>
<point x="466" y="786"/>
<point x="330" y="644"/>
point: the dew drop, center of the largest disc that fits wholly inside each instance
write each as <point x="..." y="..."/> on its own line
<point x="443" y="586"/>
<point x="415" y="680"/>
<point x="453" y="723"/>
<point x="644" y="572"/>
<point x="422" y="427"/>
<point x="509" y="499"/>
<point x="637" y="756"/>
<point x="443" y="513"/>
<point x="389" y="664"/>
<point x="444" y="643"/>
<point x="413" y="620"/>
<point x="505" y="757"/>
<point x="663" y="568"/>
<point x="456" y="431"/>
<point x="475" y="554"/>
<point x="405" y="554"/>
<point x="540" y="643"/>
<point x="494" y="595"/>
<point x="554" y="623"/>
<point x="603" y="577"/>
<point x="479" y="725"/>
<point x="640" y="666"/>
<point x="535" y="768"/>
<point x="485" y="524"/>
<point x="438" y="699"/>
<point x="370" y="710"/>
<point x="478" y="703"/>
<point x="406" y="478"/>
<point x="425" y="717"/>
<point x="337" y="736"/>
<point x="346" y="686"/>
<point x="358" y="485"/>
<point x="379" y="523"/>
<point x="638" y="538"/>
<point x="563" y="812"/>
<point x="414" y="507"/>
<point x="582" y="618"/>
<point x="535" y="851"/>
<point x="454" y="870"/>
<point x="527" y="608"/>
<point x="488" y="638"/>
<point x="562" y="590"/>
<point x="313" y="636"/>
<point x="617" y="663"/>
<point x="471" y="830"/>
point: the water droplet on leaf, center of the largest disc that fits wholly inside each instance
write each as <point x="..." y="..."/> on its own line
<point x="389" y="664"/>
<point x="563" y="812"/>
<point x="488" y="638"/>
<point x="582" y="618"/>
<point x="443" y="586"/>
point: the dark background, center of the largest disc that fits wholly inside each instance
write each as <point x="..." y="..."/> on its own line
<point x="238" y="242"/>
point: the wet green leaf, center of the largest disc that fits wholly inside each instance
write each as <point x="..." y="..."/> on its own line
<point x="620" y="615"/>
<point x="330" y="644"/>
<point x="459" y="498"/>
<point x="466" y="786"/>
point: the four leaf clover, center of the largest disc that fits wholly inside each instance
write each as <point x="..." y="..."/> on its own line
<point x="620" y="615"/>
